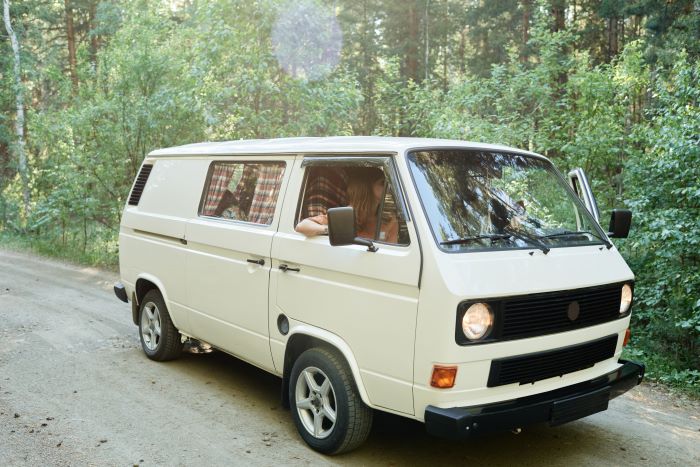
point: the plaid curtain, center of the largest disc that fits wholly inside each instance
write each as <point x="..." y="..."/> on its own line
<point x="220" y="179"/>
<point x="267" y="188"/>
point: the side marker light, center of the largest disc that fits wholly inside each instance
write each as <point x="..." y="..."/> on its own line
<point x="443" y="376"/>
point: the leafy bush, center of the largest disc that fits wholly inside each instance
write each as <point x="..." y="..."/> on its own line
<point x="664" y="246"/>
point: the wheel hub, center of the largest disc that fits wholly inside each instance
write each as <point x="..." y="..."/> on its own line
<point x="151" y="326"/>
<point x="316" y="403"/>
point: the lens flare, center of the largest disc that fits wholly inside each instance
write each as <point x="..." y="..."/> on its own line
<point x="307" y="40"/>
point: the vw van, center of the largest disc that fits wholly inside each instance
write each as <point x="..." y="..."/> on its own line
<point x="483" y="296"/>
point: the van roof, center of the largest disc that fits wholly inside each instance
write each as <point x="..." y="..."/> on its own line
<point x="322" y="145"/>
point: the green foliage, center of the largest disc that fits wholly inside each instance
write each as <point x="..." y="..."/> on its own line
<point x="664" y="248"/>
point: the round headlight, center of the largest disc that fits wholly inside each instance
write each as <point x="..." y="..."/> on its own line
<point x="477" y="321"/>
<point x="626" y="300"/>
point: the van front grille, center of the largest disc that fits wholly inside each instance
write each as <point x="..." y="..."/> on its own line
<point x="546" y="313"/>
<point x="533" y="367"/>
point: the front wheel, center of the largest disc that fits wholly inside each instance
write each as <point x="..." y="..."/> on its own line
<point x="160" y="339"/>
<point x="326" y="406"/>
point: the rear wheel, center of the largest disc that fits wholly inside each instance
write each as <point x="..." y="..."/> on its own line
<point x="326" y="406"/>
<point x="160" y="339"/>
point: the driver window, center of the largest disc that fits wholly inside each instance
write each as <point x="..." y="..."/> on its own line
<point x="367" y="189"/>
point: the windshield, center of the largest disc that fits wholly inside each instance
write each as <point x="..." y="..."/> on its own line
<point x="477" y="200"/>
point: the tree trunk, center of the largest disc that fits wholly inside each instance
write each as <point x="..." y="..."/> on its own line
<point x="462" y="51"/>
<point x="426" y="21"/>
<point x="621" y="35"/>
<point x="527" y="8"/>
<point x="94" y="39"/>
<point x="70" y="36"/>
<point x="412" y="45"/>
<point x="19" y="99"/>
<point x="558" y="11"/>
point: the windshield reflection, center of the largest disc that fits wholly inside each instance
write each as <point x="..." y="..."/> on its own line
<point x="492" y="200"/>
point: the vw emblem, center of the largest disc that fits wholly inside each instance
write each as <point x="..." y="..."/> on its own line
<point x="573" y="311"/>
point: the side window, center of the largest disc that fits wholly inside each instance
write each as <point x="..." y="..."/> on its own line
<point x="243" y="191"/>
<point x="367" y="189"/>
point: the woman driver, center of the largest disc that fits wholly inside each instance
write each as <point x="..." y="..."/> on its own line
<point x="364" y="192"/>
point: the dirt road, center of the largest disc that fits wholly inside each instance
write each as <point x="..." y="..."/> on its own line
<point x="76" y="389"/>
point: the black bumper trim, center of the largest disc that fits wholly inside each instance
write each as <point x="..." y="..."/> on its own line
<point x="120" y="292"/>
<point x="556" y="407"/>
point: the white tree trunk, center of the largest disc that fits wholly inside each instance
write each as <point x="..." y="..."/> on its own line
<point x="19" y="121"/>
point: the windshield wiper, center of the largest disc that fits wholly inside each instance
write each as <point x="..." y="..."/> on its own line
<point x="567" y="233"/>
<point x="528" y="239"/>
<point x="459" y="241"/>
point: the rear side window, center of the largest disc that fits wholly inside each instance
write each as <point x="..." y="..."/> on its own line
<point x="242" y="191"/>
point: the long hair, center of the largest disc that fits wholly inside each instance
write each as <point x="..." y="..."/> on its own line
<point x="361" y="195"/>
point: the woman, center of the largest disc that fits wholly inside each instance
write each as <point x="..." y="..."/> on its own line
<point x="364" y="192"/>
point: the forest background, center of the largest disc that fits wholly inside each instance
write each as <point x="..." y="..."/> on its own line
<point x="88" y="87"/>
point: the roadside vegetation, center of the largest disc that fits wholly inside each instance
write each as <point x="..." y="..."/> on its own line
<point x="88" y="87"/>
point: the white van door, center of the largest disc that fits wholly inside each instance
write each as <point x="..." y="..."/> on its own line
<point x="369" y="300"/>
<point x="228" y="262"/>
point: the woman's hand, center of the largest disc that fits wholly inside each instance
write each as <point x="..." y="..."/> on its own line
<point x="311" y="228"/>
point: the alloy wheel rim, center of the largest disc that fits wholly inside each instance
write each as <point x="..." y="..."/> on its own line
<point x="316" y="403"/>
<point x="151" y="326"/>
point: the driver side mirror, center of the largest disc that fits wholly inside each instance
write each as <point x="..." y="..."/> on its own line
<point x="342" y="230"/>
<point x="620" y="222"/>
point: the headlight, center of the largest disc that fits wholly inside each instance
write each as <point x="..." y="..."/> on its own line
<point x="626" y="300"/>
<point x="477" y="321"/>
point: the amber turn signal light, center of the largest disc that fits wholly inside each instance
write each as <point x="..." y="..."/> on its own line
<point x="628" y="334"/>
<point x="443" y="376"/>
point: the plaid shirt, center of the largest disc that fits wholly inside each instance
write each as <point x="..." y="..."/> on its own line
<point x="326" y="188"/>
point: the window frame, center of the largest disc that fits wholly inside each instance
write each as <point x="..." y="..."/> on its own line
<point x="207" y="182"/>
<point x="386" y="162"/>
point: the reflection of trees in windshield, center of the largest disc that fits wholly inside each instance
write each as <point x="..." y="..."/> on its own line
<point x="472" y="193"/>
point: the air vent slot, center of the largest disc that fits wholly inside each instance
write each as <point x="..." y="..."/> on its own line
<point x="140" y="184"/>
<point x="537" y="366"/>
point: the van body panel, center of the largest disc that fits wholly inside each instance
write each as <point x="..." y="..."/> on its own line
<point x="228" y="295"/>
<point x="173" y="188"/>
<point x="361" y="296"/>
<point x="151" y="232"/>
<point x="452" y="278"/>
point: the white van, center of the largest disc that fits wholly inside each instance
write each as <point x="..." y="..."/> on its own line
<point x="484" y="296"/>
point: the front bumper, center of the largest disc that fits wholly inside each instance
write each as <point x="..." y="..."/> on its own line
<point x="556" y="407"/>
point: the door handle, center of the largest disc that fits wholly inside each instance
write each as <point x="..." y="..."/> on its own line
<point x="261" y="262"/>
<point x="285" y="268"/>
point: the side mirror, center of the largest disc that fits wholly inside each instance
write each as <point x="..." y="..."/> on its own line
<point x="620" y="222"/>
<point x="342" y="230"/>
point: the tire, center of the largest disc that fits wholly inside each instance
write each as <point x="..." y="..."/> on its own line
<point x="160" y="339"/>
<point x="331" y="390"/>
